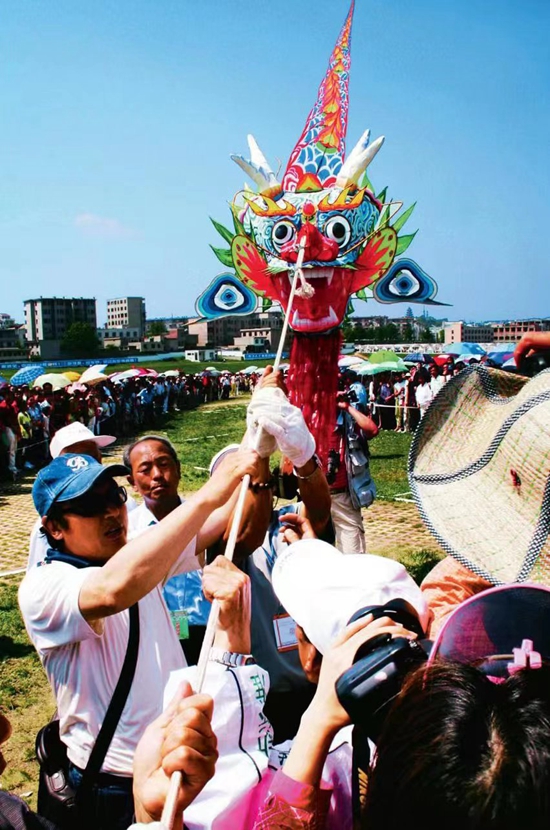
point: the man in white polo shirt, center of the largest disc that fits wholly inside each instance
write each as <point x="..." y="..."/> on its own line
<point x="75" y="606"/>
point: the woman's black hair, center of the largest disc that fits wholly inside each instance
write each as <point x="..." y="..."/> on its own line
<point x="460" y="752"/>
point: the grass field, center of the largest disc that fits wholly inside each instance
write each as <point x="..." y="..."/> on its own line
<point x="198" y="434"/>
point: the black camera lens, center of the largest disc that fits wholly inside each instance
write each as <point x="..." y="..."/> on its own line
<point x="534" y="363"/>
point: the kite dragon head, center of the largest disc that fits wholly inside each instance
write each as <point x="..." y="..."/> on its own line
<point x="327" y="202"/>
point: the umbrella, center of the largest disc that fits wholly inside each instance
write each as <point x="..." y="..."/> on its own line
<point x="3" y="382"/>
<point x="503" y="347"/>
<point x="128" y="373"/>
<point x="442" y="359"/>
<point x="170" y="373"/>
<point x="347" y="360"/>
<point x="27" y="374"/>
<point x="57" y="381"/>
<point x="210" y="369"/>
<point x="499" y="357"/>
<point x="72" y="375"/>
<point x="420" y="357"/>
<point x="151" y="373"/>
<point x="465" y="348"/>
<point x="383" y="356"/>
<point x="94" y="374"/>
<point x="76" y="387"/>
<point x="467" y="358"/>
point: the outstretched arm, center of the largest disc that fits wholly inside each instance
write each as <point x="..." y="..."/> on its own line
<point x="145" y="561"/>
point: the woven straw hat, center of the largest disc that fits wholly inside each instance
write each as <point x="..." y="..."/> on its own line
<point x="479" y="470"/>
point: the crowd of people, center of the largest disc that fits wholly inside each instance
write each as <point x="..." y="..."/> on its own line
<point x="30" y="416"/>
<point x="311" y="640"/>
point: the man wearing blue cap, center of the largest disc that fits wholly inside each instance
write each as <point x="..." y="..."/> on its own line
<point x="75" y="606"/>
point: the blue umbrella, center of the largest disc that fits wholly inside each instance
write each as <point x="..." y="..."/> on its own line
<point x="27" y="374"/>
<point x="500" y="357"/>
<point x="465" y="348"/>
<point x="3" y="381"/>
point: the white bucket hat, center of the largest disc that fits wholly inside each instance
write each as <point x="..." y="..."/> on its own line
<point x="75" y="433"/>
<point x="321" y="589"/>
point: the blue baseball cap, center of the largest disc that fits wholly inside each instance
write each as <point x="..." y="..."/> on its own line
<point x="68" y="477"/>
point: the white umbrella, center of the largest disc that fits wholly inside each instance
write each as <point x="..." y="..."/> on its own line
<point x="57" y="381"/>
<point x="129" y="373"/>
<point x="170" y="373"/>
<point x="94" y="374"/>
<point x="348" y="360"/>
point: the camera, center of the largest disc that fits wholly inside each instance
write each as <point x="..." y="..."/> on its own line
<point x="534" y="363"/>
<point x="333" y="466"/>
<point x="367" y="689"/>
<point x="350" y="396"/>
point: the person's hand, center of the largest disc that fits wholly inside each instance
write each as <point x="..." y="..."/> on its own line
<point x="533" y="341"/>
<point x="272" y="413"/>
<point x="342" y="401"/>
<point x="228" y="475"/>
<point x="325" y="707"/>
<point x="223" y="581"/>
<point x="273" y="379"/>
<point x="296" y="527"/>
<point x="181" y="739"/>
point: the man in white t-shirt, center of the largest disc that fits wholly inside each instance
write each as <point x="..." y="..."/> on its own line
<point x="75" y="607"/>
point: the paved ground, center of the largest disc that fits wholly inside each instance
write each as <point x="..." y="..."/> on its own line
<point x="393" y="528"/>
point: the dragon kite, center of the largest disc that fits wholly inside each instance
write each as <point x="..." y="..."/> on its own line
<point x="326" y="202"/>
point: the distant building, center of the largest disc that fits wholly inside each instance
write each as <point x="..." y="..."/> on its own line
<point x="513" y="330"/>
<point x="126" y="313"/>
<point x="48" y="318"/>
<point x="200" y="355"/>
<point x="119" y="338"/>
<point x="260" y="338"/>
<point x="509" y="331"/>
<point x="223" y="331"/>
<point x="13" y="343"/>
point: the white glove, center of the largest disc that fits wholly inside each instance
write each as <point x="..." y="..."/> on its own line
<point x="258" y="439"/>
<point x="271" y="410"/>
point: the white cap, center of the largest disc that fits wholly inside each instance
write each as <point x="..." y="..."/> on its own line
<point x="220" y="455"/>
<point x="321" y="588"/>
<point x="74" y="434"/>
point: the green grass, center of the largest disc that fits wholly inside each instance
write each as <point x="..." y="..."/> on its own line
<point x="389" y="453"/>
<point x="25" y="695"/>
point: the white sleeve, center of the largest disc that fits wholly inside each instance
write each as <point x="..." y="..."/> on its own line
<point x="186" y="561"/>
<point x="48" y="598"/>
<point x="38" y="545"/>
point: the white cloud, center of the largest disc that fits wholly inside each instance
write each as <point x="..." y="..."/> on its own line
<point x="93" y="225"/>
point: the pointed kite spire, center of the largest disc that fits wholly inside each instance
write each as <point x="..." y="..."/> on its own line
<point x="317" y="158"/>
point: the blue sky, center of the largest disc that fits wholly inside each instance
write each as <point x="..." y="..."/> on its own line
<point x="120" y="116"/>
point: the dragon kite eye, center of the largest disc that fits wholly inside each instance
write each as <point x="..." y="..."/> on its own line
<point x="282" y="233"/>
<point x="339" y="230"/>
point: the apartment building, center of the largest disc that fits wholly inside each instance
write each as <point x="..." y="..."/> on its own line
<point x="127" y="313"/>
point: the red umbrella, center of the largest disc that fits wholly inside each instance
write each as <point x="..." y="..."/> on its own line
<point x="442" y="359"/>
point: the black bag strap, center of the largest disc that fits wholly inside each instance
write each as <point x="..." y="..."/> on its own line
<point x="117" y="704"/>
<point x="122" y="689"/>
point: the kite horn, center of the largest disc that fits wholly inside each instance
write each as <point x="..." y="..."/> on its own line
<point x="258" y="168"/>
<point x="326" y="124"/>
<point x="358" y="160"/>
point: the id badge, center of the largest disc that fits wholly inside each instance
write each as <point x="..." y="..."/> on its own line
<point x="180" y="623"/>
<point x="285" y="632"/>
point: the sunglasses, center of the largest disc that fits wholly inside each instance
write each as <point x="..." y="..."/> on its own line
<point x="94" y="503"/>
